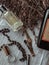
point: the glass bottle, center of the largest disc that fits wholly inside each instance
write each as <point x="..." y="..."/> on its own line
<point x="14" y="22"/>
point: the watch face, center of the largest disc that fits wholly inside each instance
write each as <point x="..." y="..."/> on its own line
<point x="45" y="36"/>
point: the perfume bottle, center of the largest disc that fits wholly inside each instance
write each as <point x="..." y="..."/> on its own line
<point x="43" y="39"/>
<point x="14" y="22"/>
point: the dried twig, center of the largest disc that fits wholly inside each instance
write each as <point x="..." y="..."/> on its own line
<point x="28" y="42"/>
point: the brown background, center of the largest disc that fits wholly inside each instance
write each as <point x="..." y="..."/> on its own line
<point x="29" y="11"/>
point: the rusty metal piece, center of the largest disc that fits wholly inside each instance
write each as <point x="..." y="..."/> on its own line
<point x="6" y="50"/>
